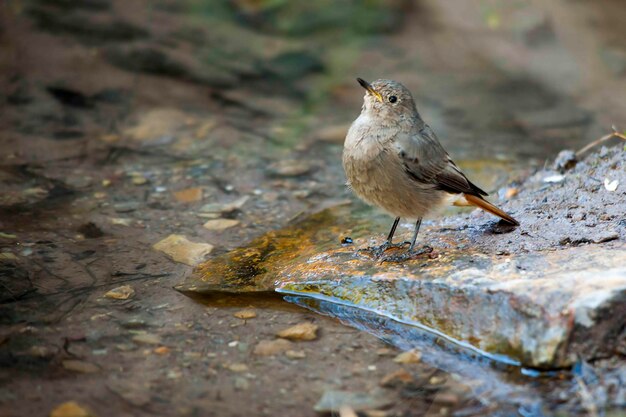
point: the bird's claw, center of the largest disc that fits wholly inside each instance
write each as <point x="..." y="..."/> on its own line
<point x="411" y="254"/>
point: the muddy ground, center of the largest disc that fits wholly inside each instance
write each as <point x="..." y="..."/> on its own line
<point x="121" y="120"/>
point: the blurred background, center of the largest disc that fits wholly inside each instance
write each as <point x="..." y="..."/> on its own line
<point x="499" y="79"/>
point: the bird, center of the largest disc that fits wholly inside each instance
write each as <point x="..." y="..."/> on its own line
<point x="393" y="160"/>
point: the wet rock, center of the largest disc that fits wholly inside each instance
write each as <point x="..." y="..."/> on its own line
<point x="302" y="331"/>
<point x="189" y="195"/>
<point x="123" y="292"/>
<point x="290" y="168"/>
<point x="182" y="250"/>
<point x="147" y="339"/>
<point x="245" y="314"/>
<point x="71" y="409"/>
<point x="396" y="378"/>
<point x="333" y="400"/>
<point x="225" y="207"/>
<point x="541" y="304"/>
<point x="272" y="347"/>
<point x="220" y="224"/>
<point x="411" y="356"/>
<point x="80" y="366"/>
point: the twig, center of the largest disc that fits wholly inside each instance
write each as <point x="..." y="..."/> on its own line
<point x="614" y="134"/>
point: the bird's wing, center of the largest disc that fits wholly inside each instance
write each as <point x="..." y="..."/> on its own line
<point x="427" y="163"/>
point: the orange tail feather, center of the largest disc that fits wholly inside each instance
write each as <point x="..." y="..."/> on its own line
<point x="487" y="206"/>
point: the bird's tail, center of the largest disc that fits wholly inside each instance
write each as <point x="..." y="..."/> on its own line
<point x="487" y="206"/>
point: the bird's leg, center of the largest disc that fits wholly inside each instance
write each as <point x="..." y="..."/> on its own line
<point x="411" y="253"/>
<point x="392" y="231"/>
<point x="418" y="223"/>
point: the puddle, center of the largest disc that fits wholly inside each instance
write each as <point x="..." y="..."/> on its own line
<point x="491" y="377"/>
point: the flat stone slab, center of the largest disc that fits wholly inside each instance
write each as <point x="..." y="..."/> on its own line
<point x="542" y="294"/>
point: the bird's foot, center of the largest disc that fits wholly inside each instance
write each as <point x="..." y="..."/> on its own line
<point x="409" y="255"/>
<point x="378" y="251"/>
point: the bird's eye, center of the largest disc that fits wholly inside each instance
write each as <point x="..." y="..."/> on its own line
<point x="393" y="99"/>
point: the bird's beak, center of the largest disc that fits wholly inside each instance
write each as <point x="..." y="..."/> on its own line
<point x="370" y="89"/>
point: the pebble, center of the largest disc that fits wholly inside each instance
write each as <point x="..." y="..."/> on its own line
<point x="237" y="367"/>
<point x="395" y="378"/>
<point x="126" y="207"/>
<point x="245" y="314"/>
<point x="410" y="356"/>
<point x="118" y="221"/>
<point x="139" y="180"/>
<point x="225" y="207"/>
<point x="71" y="409"/>
<point x="80" y="366"/>
<point x="129" y="391"/>
<point x="180" y="249"/>
<point x="272" y="347"/>
<point x="121" y="293"/>
<point x="147" y="339"/>
<point x="333" y="400"/>
<point x="162" y="350"/>
<point x="8" y="256"/>
<point x="220" y="224"/>
<point x="290" y="168"/>
<point x="295" y="354"/>
<point x="189" y="195"/>
<point x="302" y="331"/>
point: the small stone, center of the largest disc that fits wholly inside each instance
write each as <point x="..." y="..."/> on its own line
<point x="511" y="192"/>
<point x="147" y="339"/>
<point x="241" y="384"/>
<point x="126" y="207"/>
<point x="139" y="180"/>
<point x="225" y="207"/>
<point x="295" y="354"/>
<point x="333" y="400"/>
<point x="384" y="352"/>
<point x="189" y="195"/>
<point x="90" y="230"/>
<point x="395" y="378"/>
<point x="302" y="331"/>
<point x="80" y="366"/>
<point x="446" y="398"/>
<point x="237" y="367"/>
<point x="71" y="409"/>
<point x="410" y="356"/>
<point x="99" y="195"/>
<point x="245" y="314"/>
<point x="106" y="183"/>
<point x="118" y="221"/>
<point x="162" y="350"/>
<point x="220" y="224"/>
<point x="41" y="351"/>
<point x="290" y="168"/>
<point x="121" y="293"/>
<point x="272" y="347"/>
<point x="182" y="250"/>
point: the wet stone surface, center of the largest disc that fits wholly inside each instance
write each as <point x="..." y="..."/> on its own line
<point x="543" y="294"/>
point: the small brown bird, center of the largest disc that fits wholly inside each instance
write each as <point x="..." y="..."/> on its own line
<point x="393" y="160"/>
